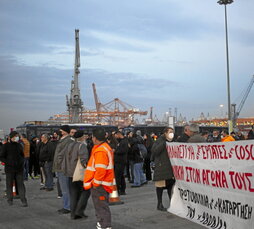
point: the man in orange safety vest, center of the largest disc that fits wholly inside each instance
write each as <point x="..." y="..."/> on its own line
<point x="99" y="177"/>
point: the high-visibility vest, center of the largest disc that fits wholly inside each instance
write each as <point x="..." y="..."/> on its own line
<point x="228" y="139"/>
<point x="100" y="169"/>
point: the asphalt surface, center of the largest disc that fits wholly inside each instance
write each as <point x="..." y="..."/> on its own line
<point x="138" y="211"/>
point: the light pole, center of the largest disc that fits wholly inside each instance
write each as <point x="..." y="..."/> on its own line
<point x="230" y="124"/>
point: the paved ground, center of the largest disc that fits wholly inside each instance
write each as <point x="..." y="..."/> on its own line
<point x="138" y="211"/>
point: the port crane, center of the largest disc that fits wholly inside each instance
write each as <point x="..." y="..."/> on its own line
<point x="235" y="112"/>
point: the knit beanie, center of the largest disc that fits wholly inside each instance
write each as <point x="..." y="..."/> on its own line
<point x="65" y="128"/>
<point x="79" y="134"/>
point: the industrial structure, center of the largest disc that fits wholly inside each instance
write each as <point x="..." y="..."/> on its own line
<point x="74" y="104"/>
<point x="115" y="112"/>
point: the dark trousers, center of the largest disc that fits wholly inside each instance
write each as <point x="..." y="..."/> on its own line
<point x="26" y="168"/>
<point x="48" y="174"/>
<point x="147" y="169"/>
<point x="119" y="175"/>
<point x="33" y="165"/>
<point x="10" y="178"/>
<point x="78" y="198"/>
<point x="100" y="200"/>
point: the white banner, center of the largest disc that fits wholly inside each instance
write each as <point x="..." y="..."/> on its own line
<point x="214" y="183"/>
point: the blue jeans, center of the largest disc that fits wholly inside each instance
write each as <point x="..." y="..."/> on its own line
<point x="64" y="185"/>
<point x="26" y="168"/>
<point x="48" y="174"/>
<point x="139" y="177"/>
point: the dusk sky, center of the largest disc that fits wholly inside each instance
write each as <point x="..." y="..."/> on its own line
<point x="163" y="53"/>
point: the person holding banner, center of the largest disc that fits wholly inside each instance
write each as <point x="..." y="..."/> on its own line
<point x="163" y="173"/>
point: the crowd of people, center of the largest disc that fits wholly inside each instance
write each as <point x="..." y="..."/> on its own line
<point x="108" y="159"/>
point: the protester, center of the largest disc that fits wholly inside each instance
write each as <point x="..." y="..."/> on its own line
<point x="139" y="177"/>
<point x="26" y="146"/>
<point x="186" y="135"/>
<point x="61" y="150"/>
<point x="251" y="133"/>
<point x="34" y="168"/>
<point x="163" y="173"/>
<point x="13" y="157"/>
<point x="120" y="161"/>
<point x="148" y="142"/>
<point x="78" y="196"/>
<point x="99" y="177"/>
<point x="226" y="137"/>
<point x="195" y="136"/>
<point x="215" y="136"/>
<point x="46" y="160"/>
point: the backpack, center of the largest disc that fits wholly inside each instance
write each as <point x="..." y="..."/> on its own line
<point x="142" y="151"/>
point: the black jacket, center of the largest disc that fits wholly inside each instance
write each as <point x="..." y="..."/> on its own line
<point x="163" y="169"/>
<point x="183" y="138"/>
<point x="135" y="152"/>
<point x="120" y="154"/>
<point x="47" y="152"/>
<point x="13" y="157"/>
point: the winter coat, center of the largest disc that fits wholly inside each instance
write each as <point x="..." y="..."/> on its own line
<point x="135" y="152"/>
<point x="47" y="151"/>
<point x="74" y="151"/>
<point x="183" y="138"/>
<point x="61" y="150"/>
<point x="120" y="154"/>
<point x="163" y="169"/>
<point x="13" y="157"/>
<point x="196" y="138"/>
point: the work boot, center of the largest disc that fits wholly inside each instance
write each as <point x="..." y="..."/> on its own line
<point x="160" y="207"/>
<point x="24" y="204"/>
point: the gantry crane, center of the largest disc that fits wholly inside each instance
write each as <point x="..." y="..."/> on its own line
<point x="235" y="112"/>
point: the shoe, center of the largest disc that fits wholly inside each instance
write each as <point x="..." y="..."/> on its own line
<point x="135" y="186"/>
<point x="42" y="184"/>
<point x="49" y="189"/>
<point x="59" y="197"/>
<point x="160" y="207"/>
<point x="63" y="211"/>
<point x="98" y="226"/>
<point x="81" y="215"/>
<point x="24" y="204"/>
<point x="42" y="188"/>
<point x="123" y="193"/>
<point x="144" y="183"/>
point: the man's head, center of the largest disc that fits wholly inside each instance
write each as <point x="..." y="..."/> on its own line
<point x="79" y="135"/>
<point x="14" y="136"/>
<point x="168" y="132"/>
<point x="215" y="133"/>
<point x="138" y="132"/>
<point x="119" y="135"/>
<point x="72" y="132"/>
<point x="194" y="129"/>
<point x="225" y="133"/>
<point x="187" y="130"/>
<point x="45" y="138"/>
<point x="23" y="136"/>
<point x="65" y="130"/>
<point x="99" y="136"/>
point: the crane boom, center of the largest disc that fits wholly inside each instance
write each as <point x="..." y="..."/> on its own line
<point x="240" y="107"/>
